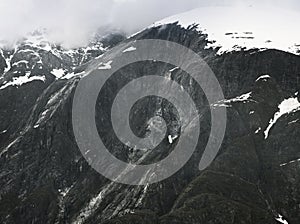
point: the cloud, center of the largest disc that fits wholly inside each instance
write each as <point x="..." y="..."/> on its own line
<point x="72" y="22"/>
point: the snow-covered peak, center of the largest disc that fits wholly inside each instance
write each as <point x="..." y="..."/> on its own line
<point x="36" y="58"/>
<point x="234" y="28"/>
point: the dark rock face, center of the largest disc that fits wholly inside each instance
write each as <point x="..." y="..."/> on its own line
<point x="45" y="179"/>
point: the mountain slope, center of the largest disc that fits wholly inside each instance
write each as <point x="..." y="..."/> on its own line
<point x="253" y="179"/>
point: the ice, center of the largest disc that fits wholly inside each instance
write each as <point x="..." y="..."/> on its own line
<point x="286" y="106"/>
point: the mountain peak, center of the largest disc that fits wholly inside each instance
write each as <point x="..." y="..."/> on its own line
<point x="243" y="28"/>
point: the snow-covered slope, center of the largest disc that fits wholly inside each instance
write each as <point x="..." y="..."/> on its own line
<point x="35" y="58"/>
<point x="234" y="28"/>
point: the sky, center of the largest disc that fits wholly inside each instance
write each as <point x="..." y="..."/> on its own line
<point x="73" y="22"/>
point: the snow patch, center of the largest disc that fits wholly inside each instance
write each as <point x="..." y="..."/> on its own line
<point x="8" y="65"/>
<point x="20" y="62"/>
<point x="172" y="138"/>
<point x="105" y="66"/>
<point x="58" y="73"/>
<point x="62" y="194"/>
<point x="71" y="75"/>
<point x="93" y="204"/>
<point x="19" y="81"/>
<point x="293" y="122"/>
<point x="26" y="51"/>
<point x="258" y="130"/>
<point x="226" y="103"/>
<point x="143" y="195"/>
<point x="285" y="107"/>
<point x="129" y="49"/>
<point x="10" y="145"/>
<point x="172" y="70"/>
<point x="241" y="98"/>
<point x="280" y="219"/>
<point x="290" y="162"/>
<point x="263" y="77"/>
<point x="65" y="191"/>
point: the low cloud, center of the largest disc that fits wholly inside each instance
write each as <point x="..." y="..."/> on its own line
<point x="73" y="22"/>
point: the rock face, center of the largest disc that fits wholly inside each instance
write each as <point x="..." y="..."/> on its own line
<point x="44" y="178"/>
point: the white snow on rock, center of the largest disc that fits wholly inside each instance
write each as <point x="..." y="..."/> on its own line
<point x="142" y="197"/>
<point x="129" y="49"/>
<point x="258" y="130"/>
<point x="93" y="204"/>
<point x="20" y="62"/>
<point x="281" y="220"/>
<point x="19" y="81"/>
<point x="290" y="162"/>
<point x="26" y="51"/>
<point x="105" y="66"/>
<point x="285" y="107"/>
<point x="3" y="151"/>
<point x="174" y="69"/>
<point x="226" y="103"/>
<point x="235" y="28"/>
<point x="241" y="98"/>
<point x="72" y="74"/>
<point x="58" y="73"/>
<point x="263" y="77"/>
<point x="62" y="194"/>
<point x="8" y="65"/>
<point x="294" y="121"/>
<point x="171" y="138"/>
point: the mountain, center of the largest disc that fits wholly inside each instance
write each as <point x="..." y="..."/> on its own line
<point x="254" y="178"/>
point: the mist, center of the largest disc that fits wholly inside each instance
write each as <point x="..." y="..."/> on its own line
<point x="73" y="22"/>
